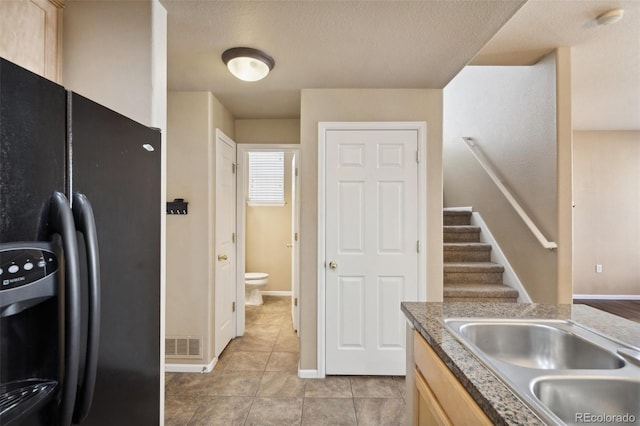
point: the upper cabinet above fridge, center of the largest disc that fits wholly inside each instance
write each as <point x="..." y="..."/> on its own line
<point x="30" y="35"/>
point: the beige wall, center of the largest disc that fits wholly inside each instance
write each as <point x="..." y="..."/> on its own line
<point x="564" y="167"/>
<point x="114" y="52"/>
<point x="510" y="112"/>
<point x="223" y="119"/>
<point x="273" y="131"/>
<point x="363" y="105"/>
<point x="192" y="120"/>
<point x="187" y="246"/>
<point x="268" y="230"/>
<point x="607" y="212"/>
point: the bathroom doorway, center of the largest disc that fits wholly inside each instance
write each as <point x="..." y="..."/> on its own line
<point x="268" y="222"/>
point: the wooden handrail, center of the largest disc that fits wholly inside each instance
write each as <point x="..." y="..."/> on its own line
<point x="516" y="206"/>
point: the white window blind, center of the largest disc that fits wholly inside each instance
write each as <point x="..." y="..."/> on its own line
<point x="266" y="178"/>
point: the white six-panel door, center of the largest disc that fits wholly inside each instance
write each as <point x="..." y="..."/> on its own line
<point x="371" y="253"/>
<point x="225" y="247"/>
<point x="295" y="245"/>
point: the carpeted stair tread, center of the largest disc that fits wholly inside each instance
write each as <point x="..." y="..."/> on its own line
<point x="462" y="246"/>
<point x="456" y="217"/>
<point x="461" y="233"/>
<point x="473" y="267"/>
<point x="479" y="291"/>
<point x="461" y="228"/>
<point x="466" y="252"/>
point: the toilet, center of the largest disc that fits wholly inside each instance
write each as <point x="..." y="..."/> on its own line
<point x="253" y="282"/>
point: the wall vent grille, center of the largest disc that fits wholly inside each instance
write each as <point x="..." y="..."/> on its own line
<point x="183" y="347"/>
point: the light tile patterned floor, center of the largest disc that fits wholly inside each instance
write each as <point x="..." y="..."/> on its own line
<point x="255" y="383"/>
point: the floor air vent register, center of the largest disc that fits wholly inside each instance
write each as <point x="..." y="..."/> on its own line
<point x="183" y="347"/>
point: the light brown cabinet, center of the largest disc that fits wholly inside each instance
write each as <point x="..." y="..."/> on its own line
<point x="30" y="35"/>
<point x="428" y="410"/>
<point x="438" y="397"/>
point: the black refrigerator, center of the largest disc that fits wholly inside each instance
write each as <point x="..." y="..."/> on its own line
<point x="80" y="211"/>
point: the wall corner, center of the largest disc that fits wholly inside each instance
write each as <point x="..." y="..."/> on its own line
<point x="564" y="132"/>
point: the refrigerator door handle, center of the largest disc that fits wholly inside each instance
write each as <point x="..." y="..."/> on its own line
<point x="85" y="223"/>
<point x="61" y="223"/>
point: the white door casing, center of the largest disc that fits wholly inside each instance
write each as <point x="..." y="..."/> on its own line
<point x="242" y="194"/>
<point x="225" y="247"/>
<point x="371" y="200"/>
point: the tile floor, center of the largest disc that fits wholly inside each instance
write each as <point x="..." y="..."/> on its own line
<point x="255" y="383"/>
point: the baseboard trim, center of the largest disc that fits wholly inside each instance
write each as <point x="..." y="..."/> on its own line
<point x="308" y="374"/>
<point x="458" y="209"/>
<point x="280" y="293"/>
<point x="190" y="368"/>
<point x="607" y="296"/>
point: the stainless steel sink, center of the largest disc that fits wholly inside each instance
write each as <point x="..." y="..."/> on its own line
<point x="582" y="399"/>
<point x="537" y="345"/>
<point x="559" y="368"/>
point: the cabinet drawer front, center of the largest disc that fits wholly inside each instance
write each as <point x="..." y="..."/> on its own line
<point x="452" y="396"/>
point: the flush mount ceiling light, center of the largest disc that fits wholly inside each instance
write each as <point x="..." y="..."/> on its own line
<point x="248" y="64"/>
<point x="610" y="17"/>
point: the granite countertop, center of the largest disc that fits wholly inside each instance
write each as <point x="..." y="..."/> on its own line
<point x="493" y="396"/>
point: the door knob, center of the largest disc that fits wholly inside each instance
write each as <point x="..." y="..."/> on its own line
<point x="333" y="265"/>
<point x="222" y="257"/>
<point x="289" y="245"/>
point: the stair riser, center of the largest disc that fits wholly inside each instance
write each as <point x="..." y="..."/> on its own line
<point x="456" y="220"/>
<point x="467" y="256"/>
<point x="482" y="299"/>
<point x="472" y="277"/>
<point x="461" y="237"/>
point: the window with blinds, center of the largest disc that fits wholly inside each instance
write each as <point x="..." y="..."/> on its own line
<point x="266" y="178"/>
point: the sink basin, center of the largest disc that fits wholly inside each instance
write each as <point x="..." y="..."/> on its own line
<point x="573" y="399"/>
<point x="559" y="368"/>
<point x="537" y="345"/>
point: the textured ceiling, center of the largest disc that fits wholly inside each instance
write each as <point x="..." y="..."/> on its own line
<point x="403" y="44"/>
<point x="325" y="44"/>
<point x="605" y="60"/>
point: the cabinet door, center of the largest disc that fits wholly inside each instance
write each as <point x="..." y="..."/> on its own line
<point x="30" y="35"/>
<point x="455" y="401"/>
<point x="427" y="409"/>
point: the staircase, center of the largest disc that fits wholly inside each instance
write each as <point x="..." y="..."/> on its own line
<point x="469" y="274"/>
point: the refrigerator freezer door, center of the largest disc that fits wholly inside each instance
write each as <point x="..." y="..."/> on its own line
<point x="32" y="151"/>
<point x="121" y="179"/>
<point x="33" y="166"/>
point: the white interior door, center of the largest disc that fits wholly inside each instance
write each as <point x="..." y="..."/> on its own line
<point x="371" y="248"/>
<point x="295" y="252"/>
<point x="225" y="247"/>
